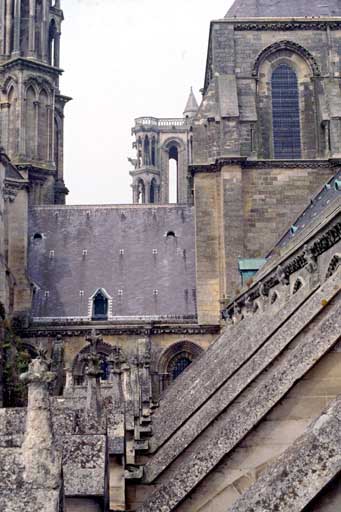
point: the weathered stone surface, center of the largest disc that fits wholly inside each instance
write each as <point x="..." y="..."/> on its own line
<point x="239" y="380"/>
<point x="201" y="380"/>
<point x="84" y="463"/>
<point x="241" y="417"/>
<point x="293" y="480"/>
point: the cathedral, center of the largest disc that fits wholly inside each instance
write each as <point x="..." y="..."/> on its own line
<point x="182" y="352"/>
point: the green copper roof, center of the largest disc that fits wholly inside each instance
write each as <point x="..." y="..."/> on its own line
<point x="250" y="263"/>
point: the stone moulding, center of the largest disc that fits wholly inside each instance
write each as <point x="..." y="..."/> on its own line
<point x="286" y="45"/>
<point x="76" y="331"/>
<point x="287" y="25"/>
<point x="262" y="164"/>
<point x="322" y="244"/>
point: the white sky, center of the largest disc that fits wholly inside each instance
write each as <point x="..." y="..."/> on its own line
<point x="124" y="59"/>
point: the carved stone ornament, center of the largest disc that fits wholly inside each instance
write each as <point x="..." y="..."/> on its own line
<point x="38" y="371"/>
<point x="11" y="191"/>
<point x="306" y="259"/>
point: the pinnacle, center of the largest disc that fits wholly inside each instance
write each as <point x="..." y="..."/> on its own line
<point x="192" y="104"/>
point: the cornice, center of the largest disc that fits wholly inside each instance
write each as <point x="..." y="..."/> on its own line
<point x="216" y="166"/>
<point x="284" y="26"/>
<point x="291" y="164"/>
<point x="263" y="164"/>
<point x="24" y="63"/>
<point x="40" y="331"/>
<point x="35" y="172"/>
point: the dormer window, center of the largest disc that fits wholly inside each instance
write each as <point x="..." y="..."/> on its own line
<point x="100" y="306"/>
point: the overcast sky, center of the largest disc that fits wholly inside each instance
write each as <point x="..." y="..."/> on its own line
<point x="124" y="59"/>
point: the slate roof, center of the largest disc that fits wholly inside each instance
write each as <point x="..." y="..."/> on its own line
<point x="122" y="249"/>
<point x="284" y="8"/>
<point x="320" y="202"/>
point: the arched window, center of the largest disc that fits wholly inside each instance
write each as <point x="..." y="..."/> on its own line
<point x="43" y="138"/>
<point x="146" y="151"/>
<point x="152" y="198"/>
<point x="24" y="26"/>
<point x="30" y="123"/>
<point x="141" y="192"/>
<point x="38" y="27"/>
<point x="153" y="151"/>
<point x="12" y="123"/>
<point x="285" y="113"/>
<point x="173" y="174"/>
<point x="100" y="307"/>
<point x="52" y="58"/>
<point x="178" y="364"/>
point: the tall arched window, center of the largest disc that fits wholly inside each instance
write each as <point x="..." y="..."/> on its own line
<point x="146" y="151"/>
<point x="43" y="137"/>
<point x="173" y="174"/>
<point x="153" y="151"/>
<point x="51" y="44"/>
<point x="30" y="123"/>
<point x="141" y="192"/>
<point x="12" y="123"/>
<point x="152" y="198"/>
<point x="285" y="113"/>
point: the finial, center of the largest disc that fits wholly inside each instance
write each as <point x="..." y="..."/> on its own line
<point x="38" y="370"/>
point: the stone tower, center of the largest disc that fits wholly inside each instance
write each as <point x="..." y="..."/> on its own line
<point x="31" y="104"/>
<point x="159" y="144"/>
<point x="267" y="133"/>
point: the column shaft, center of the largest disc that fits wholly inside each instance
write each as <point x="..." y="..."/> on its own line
<point x="8" y="27"/>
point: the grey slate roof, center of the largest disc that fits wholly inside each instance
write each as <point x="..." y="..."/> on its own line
<point x="330" y="192"/>
<point x="284" y="8"/>
<point x="144" y="272"/>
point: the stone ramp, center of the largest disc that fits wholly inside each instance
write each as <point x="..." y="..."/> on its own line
<point x="239" y="380"/>
<point x="301" y="472"/>
<point x="223" y="435"/>
<point x="202" y="379"/>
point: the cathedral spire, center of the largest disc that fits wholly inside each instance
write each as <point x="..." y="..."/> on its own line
<point x="191" y="106"/>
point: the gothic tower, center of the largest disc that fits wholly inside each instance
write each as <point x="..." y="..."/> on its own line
<point x="164" y="151"/>
<point x="31" y="123"/>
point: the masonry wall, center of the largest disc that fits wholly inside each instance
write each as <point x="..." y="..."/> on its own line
<point x="280" y="428"/>
<point x="3" y="298"/>
<point x="241" y="212"/>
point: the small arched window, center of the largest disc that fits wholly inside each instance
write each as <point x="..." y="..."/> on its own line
<point x="100" y="307"/>
<point x="179" y="363"/>
<point x="285" y="113"/>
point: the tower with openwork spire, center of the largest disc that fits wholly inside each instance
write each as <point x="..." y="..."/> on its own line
<point x="163" y="153"/>
<point x="32" y="107"/>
